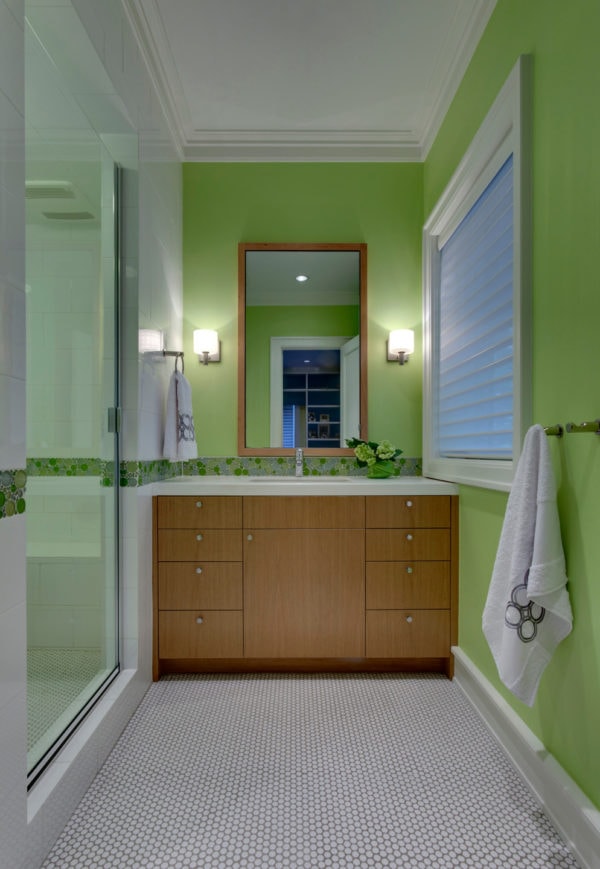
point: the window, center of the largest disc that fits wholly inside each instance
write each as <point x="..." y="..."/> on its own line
<point x="476" y="299"/>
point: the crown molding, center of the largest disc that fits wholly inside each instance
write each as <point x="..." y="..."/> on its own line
<point x="289" y="145"/>
<point x="155" y="58"/>
<point x="301" y="145"/>
<point x="463" y="58"/>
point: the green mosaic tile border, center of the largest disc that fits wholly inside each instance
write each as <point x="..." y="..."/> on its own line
<point x="80" y="467"/>
<point x="243" y="466"/>
<point x="141" y="473"/>
<point x="12" y="492"/>
<point x="134" y="474"/>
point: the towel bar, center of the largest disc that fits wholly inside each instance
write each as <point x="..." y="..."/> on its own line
<point x="178" y="354"/>
<point x="555" y="430"/>
<point x="593" y="426"/>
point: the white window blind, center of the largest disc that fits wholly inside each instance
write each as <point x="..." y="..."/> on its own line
<point x="475" y="386"/>
<point x="289" y="425"/>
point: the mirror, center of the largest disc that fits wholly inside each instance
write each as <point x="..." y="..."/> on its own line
<point x="302" y="334"/>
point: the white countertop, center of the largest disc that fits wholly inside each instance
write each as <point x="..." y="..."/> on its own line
<point x="280" y="485"/>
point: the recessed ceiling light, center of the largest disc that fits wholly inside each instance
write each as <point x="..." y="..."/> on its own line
<point x="306" y="361"/>
<point x="301" y="278"/>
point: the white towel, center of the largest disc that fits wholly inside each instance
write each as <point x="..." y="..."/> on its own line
<point x="180" y="436"/>
<point x="527" y="612"/>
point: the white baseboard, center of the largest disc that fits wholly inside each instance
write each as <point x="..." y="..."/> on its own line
<point x="571" y="812"/>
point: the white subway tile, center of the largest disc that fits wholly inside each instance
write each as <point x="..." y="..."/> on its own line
<point x="12" y="422"/>
<point x="13" y="669"/>
<point x="12" y="562"/>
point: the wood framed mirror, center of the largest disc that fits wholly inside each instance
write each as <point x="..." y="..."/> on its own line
<point x="302" y="347"/>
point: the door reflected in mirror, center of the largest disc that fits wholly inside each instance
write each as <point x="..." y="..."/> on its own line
<point x="302" y="348"/>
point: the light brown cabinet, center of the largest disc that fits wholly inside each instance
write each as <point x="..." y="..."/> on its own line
<point x="411" y="577"/>
<point x="304" y="583"/>
<point x="304" y="577"/>
<point x="198" y="581"/>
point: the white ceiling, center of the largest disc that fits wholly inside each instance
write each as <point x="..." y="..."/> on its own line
<point x="307" y="79"/>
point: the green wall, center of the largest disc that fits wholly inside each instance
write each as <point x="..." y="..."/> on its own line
<point x="377" y="203"/>
<point x="266" y="321"/>
<point x="382" y="204"/>
<point x="563" y="39"/>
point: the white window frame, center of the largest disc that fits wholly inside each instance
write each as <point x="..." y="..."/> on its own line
<point x="505" y="131"/>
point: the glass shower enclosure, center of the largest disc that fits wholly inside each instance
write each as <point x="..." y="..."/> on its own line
<point x="72" y="259"/>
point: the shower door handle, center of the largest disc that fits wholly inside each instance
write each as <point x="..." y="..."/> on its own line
<point x="114" y="420"/>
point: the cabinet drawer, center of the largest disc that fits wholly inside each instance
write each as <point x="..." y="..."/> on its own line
<point x="186" y="585"/>
<point x="402" y="584"/>
<point x="199" y="545"/>
<point x="217" y="635"/>
<point x="295" y="511"/>
<point x="199" y="512"/>
<point x="419" y="511"/>
<point x="408" y="633"/>
<point x="402" y="544"/>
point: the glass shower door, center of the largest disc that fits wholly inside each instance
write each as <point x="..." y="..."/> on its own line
<point x="72" y="256"/>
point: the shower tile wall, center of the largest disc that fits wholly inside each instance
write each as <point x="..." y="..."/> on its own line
<point x="63" y="307"/>
<point x="152" y="280"/>
<point x="13" y="811"/>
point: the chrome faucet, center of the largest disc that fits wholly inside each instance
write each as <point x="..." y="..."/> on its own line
<point x="299" y="461"/>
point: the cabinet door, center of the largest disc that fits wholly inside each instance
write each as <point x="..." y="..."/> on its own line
<point x="190" y="511"/>
<point x="408" y="633"/>
<point x="204" y="634"/>
<point x="413" y="511"/>
<point x="402" y="544"/>
<point x="310" y="511"/>
<point x="304" y="593"/>
<point x="191" y="545"/>
<point x="187" y="585"/>
<point x="397" y="585"/>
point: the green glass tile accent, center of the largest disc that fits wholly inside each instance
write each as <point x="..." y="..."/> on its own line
<point x="133" y="473"/>
<point x="80" y="467"/>
<point x="285" y="466"/>
<point x="141" y="473"/>
<point x="12" y="492"/>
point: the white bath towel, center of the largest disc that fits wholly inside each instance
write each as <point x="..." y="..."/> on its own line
<point x="180" y="436"/>
<point x="527" y="612"/>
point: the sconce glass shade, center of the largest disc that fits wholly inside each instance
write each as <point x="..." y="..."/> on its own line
<point x="206" y="345"/>
<point x="401" y="343"/>
<point x="150" y="341"/>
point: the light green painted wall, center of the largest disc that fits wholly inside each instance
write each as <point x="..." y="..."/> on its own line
<point x="377" y="203"/>
<point x="265" y="321"/>
<point x="563" y="39"/>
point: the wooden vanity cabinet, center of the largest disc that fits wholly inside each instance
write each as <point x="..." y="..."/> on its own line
<point x="304" y="577"/>
<point x="198" y="581"/>
<point x="411" y="581"/>
<point x="304" y="583"/>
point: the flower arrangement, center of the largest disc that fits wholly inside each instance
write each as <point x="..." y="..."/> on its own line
<point x="378" y="458"/>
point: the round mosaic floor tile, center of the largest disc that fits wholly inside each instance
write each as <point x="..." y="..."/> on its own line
<point x="297" y="771"/>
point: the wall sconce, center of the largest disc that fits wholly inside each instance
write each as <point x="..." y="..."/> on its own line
<point x="207" y="346"/>
<point x="150" y="341"/>
<point x="400" y="344"/>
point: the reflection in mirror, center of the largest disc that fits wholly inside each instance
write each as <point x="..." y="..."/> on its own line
<point x="302" y="347"/>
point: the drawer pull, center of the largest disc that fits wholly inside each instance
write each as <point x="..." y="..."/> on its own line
<point x="409" y="503"/>
<point x="198" y="570"/>
<point x="409" y="619"/>
<point x="409" y="537"/>
<point x="198" y="503"/>
<point x="249" y="537"/>
<point x="409" y="570"/>
<point x="198" y="536"/>
<point x="199" y="620"/>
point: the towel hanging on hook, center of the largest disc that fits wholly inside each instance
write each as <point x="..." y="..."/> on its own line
<point x="178" y="354"/>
